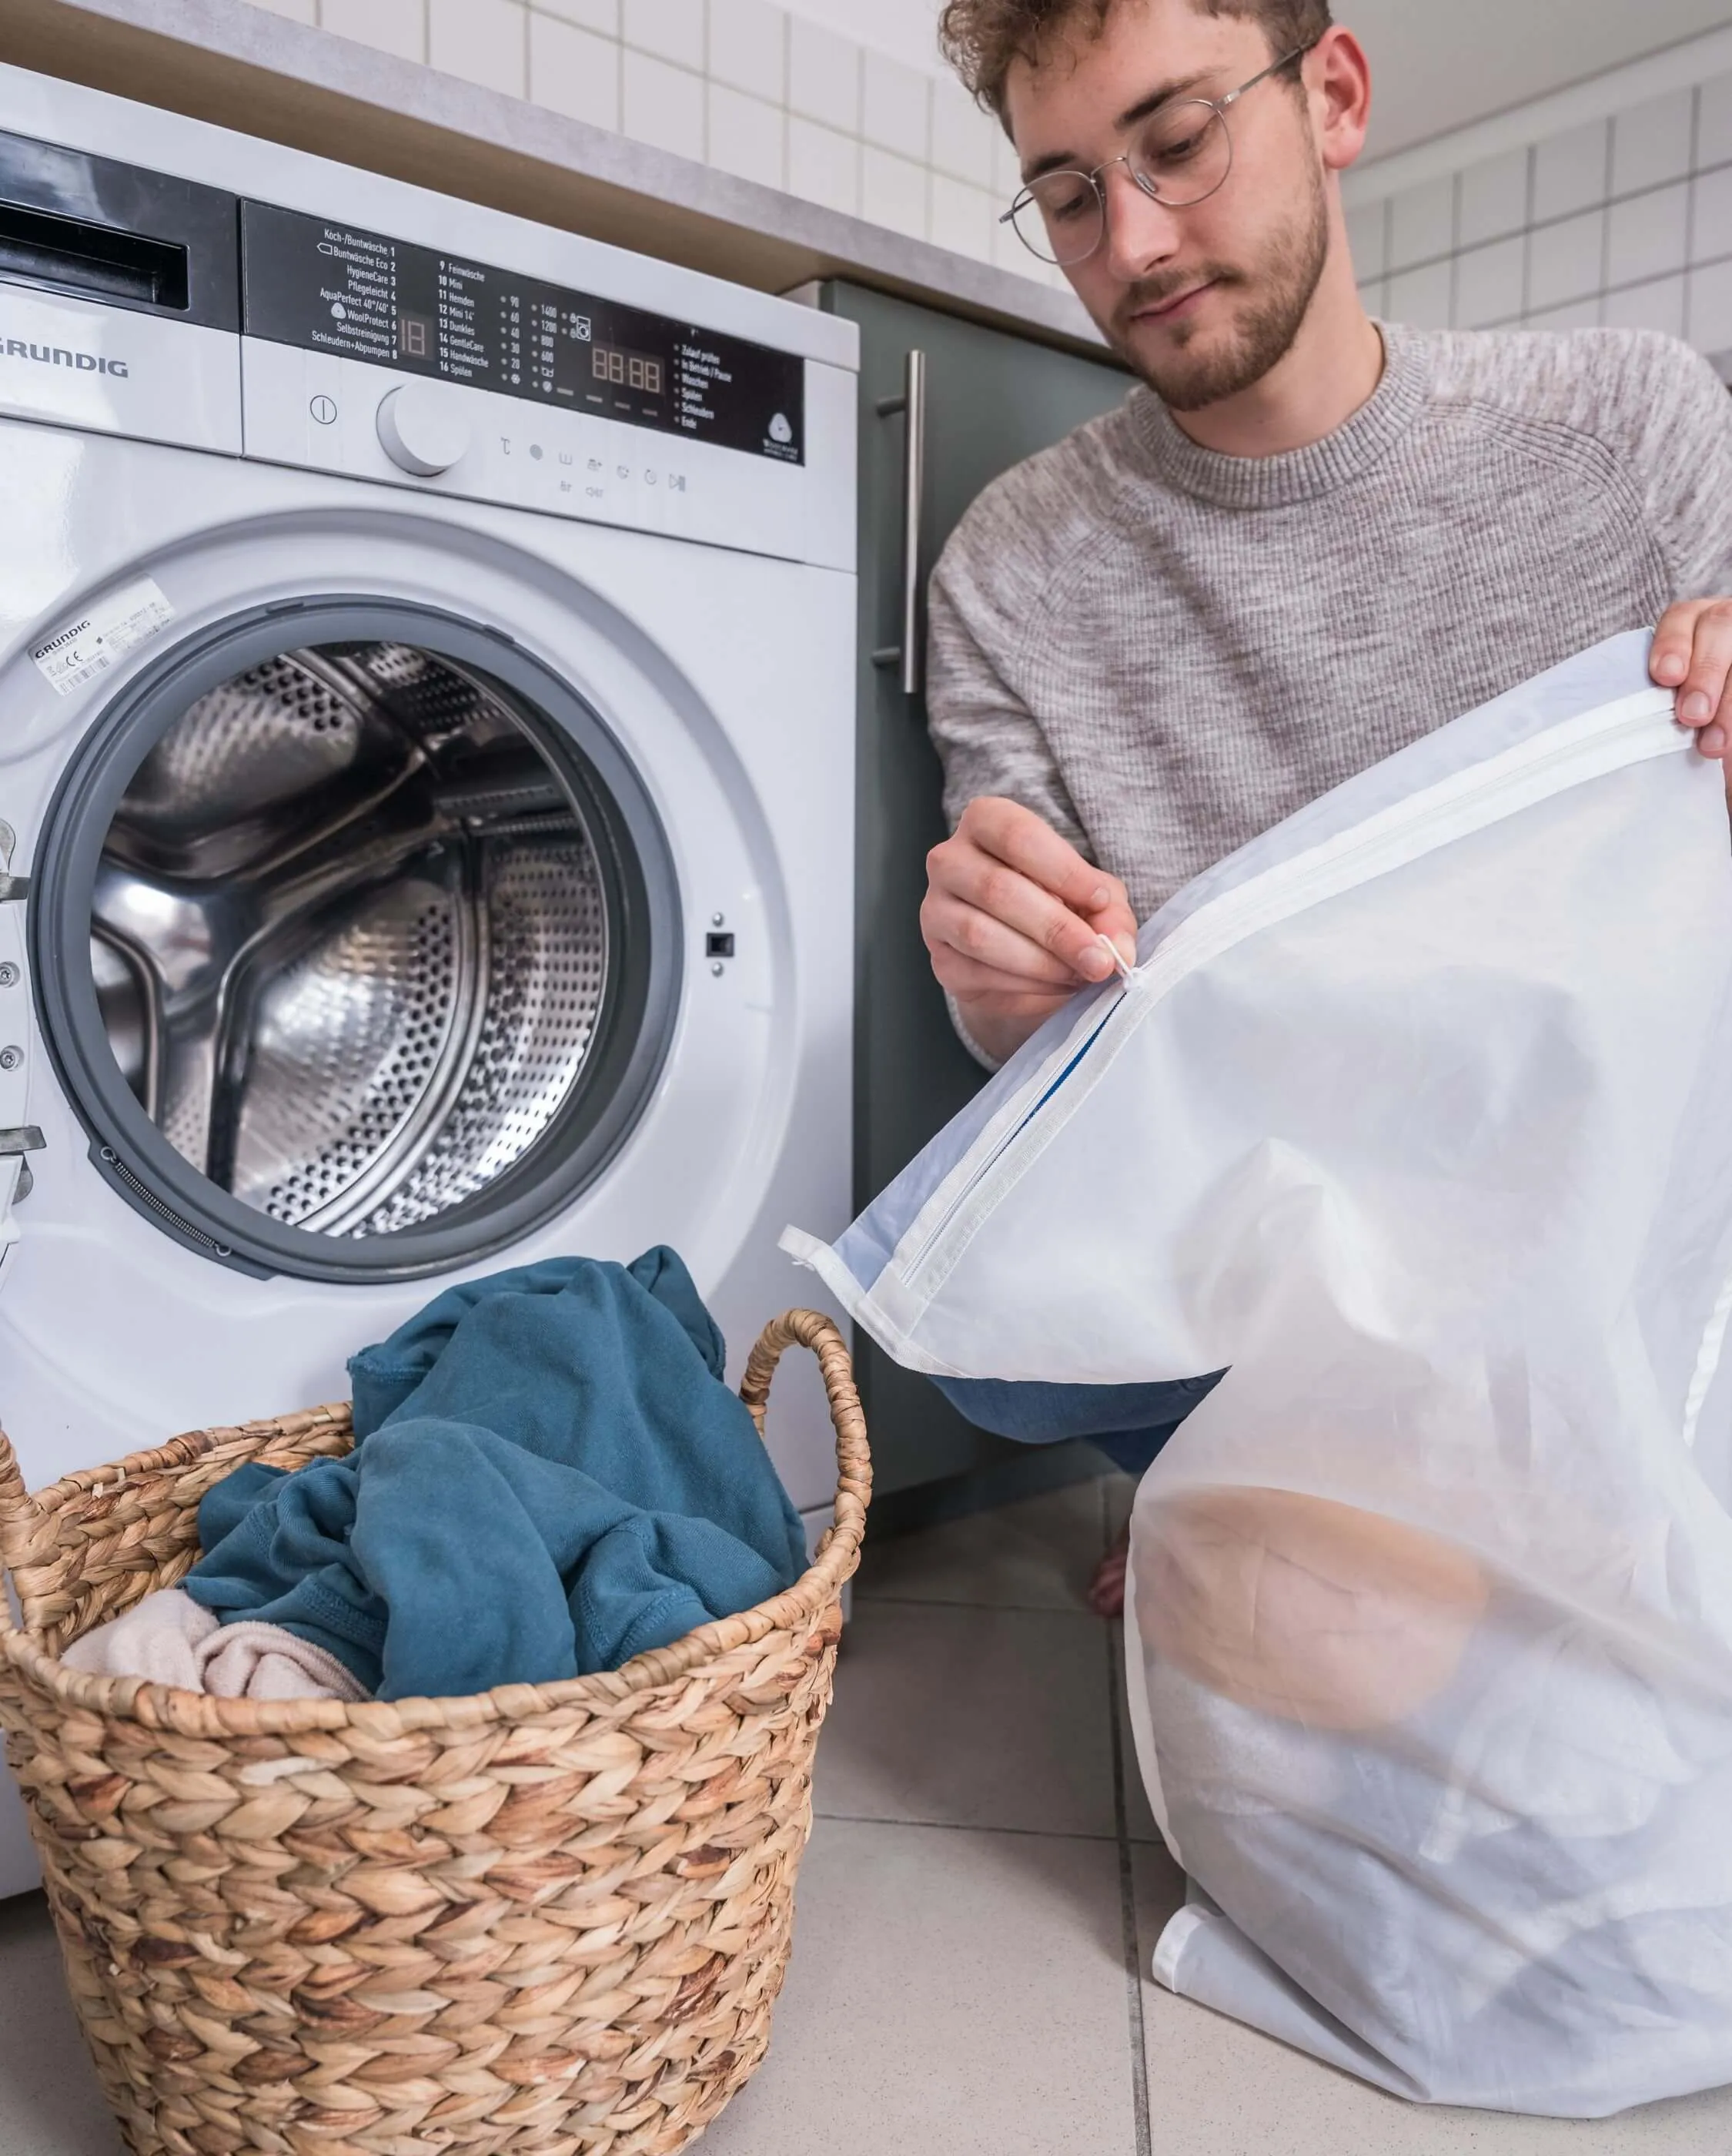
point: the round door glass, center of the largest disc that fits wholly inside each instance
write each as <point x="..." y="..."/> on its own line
<point x="365" y="943"/>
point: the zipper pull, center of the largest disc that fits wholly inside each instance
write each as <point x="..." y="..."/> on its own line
<point x="1113" y="951"/>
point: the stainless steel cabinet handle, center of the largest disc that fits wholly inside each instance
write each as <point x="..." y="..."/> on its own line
<point x="909" y="655"/>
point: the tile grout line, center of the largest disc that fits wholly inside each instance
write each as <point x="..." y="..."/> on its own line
<point x="962" y="1826"/>
<point x="1127" y="1883"/>
<point x="934" y="1602"/>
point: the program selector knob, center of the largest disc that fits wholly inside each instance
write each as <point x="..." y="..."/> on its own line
<point x="422" y="428"/>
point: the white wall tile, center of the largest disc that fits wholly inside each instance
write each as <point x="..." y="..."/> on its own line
<point x="823" y="75"/>
<point x="1365" y="227"/>
<point x="1493" y="201"/>
<point x="1711" y="226"/>
<point x="1710" y="318"/>
<point x="1648" y="234"/>
<point x="297" y="11"/>
<point x="747" y="135"/>
<point x="574" y="71"/>
<point x="896" y="107"/>
<point x="893" y="192"/>
<point x="393" y="26"/>
<point x="749" y="47"/>
<point x="1658" y="304"/>
<point x="671" y="29"/>
<point x="1421" y="297"/>
<point x="823" y="165"/>
<point x="1714" y="122"/>
<point x="1422" y="223"/>
<point x="1651" y="143"/>
<point x="484" y="41"/>
<point x="1579" y="314"/>
<point x="602" y="15"/>
<point x="1566" y="261"/>
<point x="663" y="104"/>
<point x="1489" y="284"/>
<point x="961" y="218"/>
<point x="1570" y="171"/>
<point x="962" y="135"/>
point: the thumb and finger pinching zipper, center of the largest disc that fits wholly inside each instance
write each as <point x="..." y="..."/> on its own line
<point x="1113" y="952"/>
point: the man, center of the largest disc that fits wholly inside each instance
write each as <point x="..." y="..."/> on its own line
<point x="1303" y="542"/>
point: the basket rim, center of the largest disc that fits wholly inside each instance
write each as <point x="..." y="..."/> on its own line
<point x="197" y="1714"/>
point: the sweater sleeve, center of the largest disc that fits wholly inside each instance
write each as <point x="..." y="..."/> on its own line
<point x="1681" y="415"/>
<point x="988" y="740"/>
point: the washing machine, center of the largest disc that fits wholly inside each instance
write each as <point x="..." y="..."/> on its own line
<point x="426" y="774"/>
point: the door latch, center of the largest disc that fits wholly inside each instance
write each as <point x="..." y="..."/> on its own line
<point x="16" y="1142"/>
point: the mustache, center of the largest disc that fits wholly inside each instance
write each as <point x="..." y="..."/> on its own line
<point x="1157" y="291"/>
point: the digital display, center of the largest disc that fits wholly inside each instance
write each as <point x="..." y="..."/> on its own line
<point x="330" y="288"/>
<point x="631" y="370"/>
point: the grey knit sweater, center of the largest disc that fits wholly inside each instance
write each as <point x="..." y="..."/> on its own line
<point x="1163" y="651"/>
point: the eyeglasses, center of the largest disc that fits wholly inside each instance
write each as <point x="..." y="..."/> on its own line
<point x="1182" y="156"/>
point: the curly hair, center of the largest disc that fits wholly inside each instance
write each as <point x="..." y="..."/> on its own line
<point x="981" y="38"/>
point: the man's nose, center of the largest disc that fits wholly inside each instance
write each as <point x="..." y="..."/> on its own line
<point x="1140" y="232"/>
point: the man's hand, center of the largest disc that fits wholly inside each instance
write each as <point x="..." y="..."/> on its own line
<point x="1692" y="654"/>
<point x="1012" y="917"/>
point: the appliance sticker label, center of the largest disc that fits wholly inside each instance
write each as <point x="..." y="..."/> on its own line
<point x="102" y="638"/>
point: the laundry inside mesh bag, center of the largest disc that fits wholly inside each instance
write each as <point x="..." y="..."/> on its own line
<point x="1411" y="1121"/>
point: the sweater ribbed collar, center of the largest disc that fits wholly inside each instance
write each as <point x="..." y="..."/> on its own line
<point x="1296" y="474"/>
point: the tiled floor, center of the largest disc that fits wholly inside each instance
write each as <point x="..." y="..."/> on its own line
<point x="979" y="1899"/>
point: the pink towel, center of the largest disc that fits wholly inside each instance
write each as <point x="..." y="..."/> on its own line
<point x="169" y="1641"/>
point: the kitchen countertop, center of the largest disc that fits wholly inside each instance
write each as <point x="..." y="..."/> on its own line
<point x="245" y="67"/>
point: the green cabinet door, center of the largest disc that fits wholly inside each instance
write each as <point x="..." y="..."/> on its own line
<point x="991" y="400"/>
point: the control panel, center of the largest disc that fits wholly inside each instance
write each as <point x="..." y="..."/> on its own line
<point x="330" y="288"/>
<point x="395" y="361"/>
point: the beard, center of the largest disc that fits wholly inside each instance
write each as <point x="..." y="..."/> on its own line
<point x="1282" y="286"/>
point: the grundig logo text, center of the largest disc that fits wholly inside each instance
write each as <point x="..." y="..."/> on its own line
<point x="57" y="355"/>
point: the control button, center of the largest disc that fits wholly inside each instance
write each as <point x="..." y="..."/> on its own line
<point x="649" y="478"/>
<point x="535" y="451"/>
<point x="422" y="429"/>
<point x="324" y="410"/>
<point x="780" y="430"/>
<point x="676" y="482"/>
<point x="624" y="471"/>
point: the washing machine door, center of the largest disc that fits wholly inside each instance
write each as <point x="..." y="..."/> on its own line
<point x="355" y="941"/>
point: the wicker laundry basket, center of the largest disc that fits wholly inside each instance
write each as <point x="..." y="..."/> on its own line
<point x="547" y="1921"/>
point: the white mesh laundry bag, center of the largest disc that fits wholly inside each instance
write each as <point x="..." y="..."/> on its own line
<point x="1413" y="1119"/>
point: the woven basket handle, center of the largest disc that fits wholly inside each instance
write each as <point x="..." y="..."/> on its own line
<point x="17" y="1520"/>
<point x="18" y="1508"/>
<point x="811" y="1328"/>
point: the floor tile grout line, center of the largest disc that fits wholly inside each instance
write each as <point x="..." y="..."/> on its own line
<point x="1127" y="1889"/>
<point x="964" y="1826"/>
<point x="1015" y="1608"/>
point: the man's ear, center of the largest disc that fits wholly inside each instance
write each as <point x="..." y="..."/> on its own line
<point x="1338" y="79"/>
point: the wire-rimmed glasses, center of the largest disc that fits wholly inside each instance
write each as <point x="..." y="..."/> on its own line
<point x="1182" y="155"/>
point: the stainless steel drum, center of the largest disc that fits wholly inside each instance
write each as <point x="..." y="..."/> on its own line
<point x="356" y="926"/>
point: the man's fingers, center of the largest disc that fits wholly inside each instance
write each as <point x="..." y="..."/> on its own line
<point x="990" y="894"/>
<point x="1017" y="837"/>
<point x="951" y="923"/>
<point x="967" y="978"/>
<point x="1702" y="702"/>
<point x="1669" y="660"/>
<point x="1118" y="923"/>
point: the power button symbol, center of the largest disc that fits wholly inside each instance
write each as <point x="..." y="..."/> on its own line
<point x="324" y="410"/>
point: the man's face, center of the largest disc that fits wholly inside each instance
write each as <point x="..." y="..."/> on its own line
<point x="1200" y="300"/>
